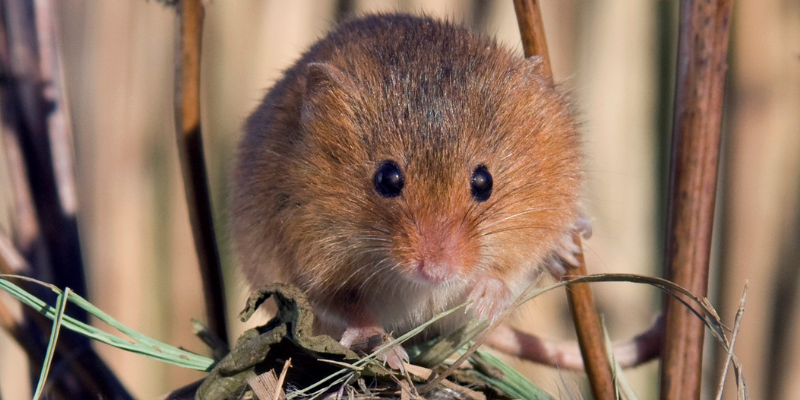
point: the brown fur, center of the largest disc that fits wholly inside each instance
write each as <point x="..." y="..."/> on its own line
<point x="439" y="101"/>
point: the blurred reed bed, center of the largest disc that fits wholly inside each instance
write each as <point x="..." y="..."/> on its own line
<point x="615" y="57"/>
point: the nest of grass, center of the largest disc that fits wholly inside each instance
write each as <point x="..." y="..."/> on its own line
<point x="283" y="359"/>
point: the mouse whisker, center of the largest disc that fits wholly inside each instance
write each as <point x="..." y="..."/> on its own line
<point x="372" y="238"/>
<point x="493" y="208"/>
<point x="518" y="215"/>
<point x="377" y="271"/>
<point x="522" y="227"/>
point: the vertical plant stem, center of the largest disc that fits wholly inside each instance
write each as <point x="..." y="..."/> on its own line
<point x="702" y="49"/>
<point x="190" y="146"/>
<point x="590" y="332"/>
<point x="584" y="314"/>
<point x="35" y="113"/>
<point x="38" y="136"/>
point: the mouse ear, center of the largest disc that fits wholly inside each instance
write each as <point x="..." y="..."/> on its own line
<point x="532" y="68"/>
<point x="324" y="78"/>
<point x="535" y="65"/>
<point x="324" y="82"/>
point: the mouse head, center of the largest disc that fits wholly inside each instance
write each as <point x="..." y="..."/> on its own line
<point x="435" y="171"/>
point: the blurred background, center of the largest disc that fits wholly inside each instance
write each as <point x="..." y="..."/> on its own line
<point x="616" y="58"/>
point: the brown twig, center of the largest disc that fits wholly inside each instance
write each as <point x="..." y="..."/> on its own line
<point x="702" y="50"/>
<point x="584" y="314"/>
<point x="190" y="146"/>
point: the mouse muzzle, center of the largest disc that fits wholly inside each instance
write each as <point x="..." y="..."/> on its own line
<point x="442" y="253"/>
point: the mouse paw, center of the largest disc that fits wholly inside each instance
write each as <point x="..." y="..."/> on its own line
<point x="566" y="250"/>
<point x="392" y="355"/>
<point x="564" y="255"/>
<point x="489" y="298"/>
<point x="372" y="338"/>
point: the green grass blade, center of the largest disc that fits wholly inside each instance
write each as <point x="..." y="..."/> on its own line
<point x="144" y="345"/>
<point x="61" y="304"/>
<point x="161" y="348"/>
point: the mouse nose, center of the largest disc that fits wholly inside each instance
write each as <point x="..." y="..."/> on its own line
<point x="442" y="254"/>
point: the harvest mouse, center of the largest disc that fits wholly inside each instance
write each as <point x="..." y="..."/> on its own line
<point x="401" y="167"/>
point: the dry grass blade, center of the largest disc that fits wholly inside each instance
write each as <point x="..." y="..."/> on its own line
<point x="621" y="384"/>
<point x="410" y="391"/>
<point x="730" y="356"/>
<point x="279" y="394"/>
<point x="405" y="387"/>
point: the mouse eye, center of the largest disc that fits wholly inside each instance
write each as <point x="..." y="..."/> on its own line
<point x="481" y="183"/>
<point x="388" y="179"/>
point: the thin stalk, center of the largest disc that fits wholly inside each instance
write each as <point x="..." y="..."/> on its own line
<point x="190" y="147"/>
<point x="701" y="66"/>
<point x="590" y="333"/>
<point x="584" y="314"/>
